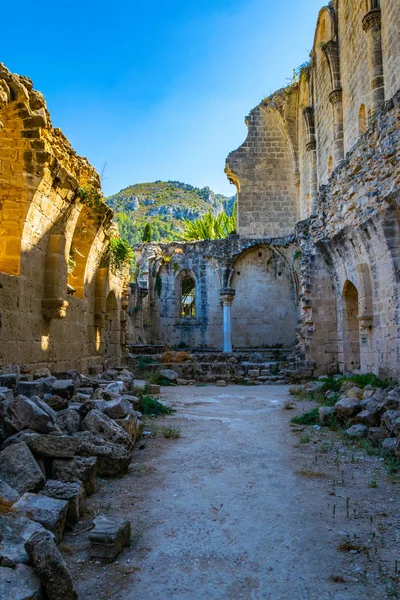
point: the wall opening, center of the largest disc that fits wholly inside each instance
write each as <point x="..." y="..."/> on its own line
<point x="351" y="330"/>
<point x="188" y="298"/>
<point x="362" y="120"/>
<point x="330" y="166"/>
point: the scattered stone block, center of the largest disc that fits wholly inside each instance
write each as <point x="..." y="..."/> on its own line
<point x="357" y="431"/>
<point x="15" y="531"/>
<point x="53" y="446"/>
<point x="99" y="424"/>
<point x="6" y="393"/>
<point x="51" y="567"/>
<point x="113" y="460"/>
<point x="325" y="414"/>
<point x="154" y="388"/>
<point x="133" y="400"/>
<point x="68" y="421"/>
<point x="221" y="383"/>
<point x="366" y="418"/>
<point x="346" y="408"/>
<point x="389" y="444"/>
<point x="169" y="374"/>
<point x="116" y="387"/>
<point x="19" y="469"/>
<point x="377" y="434"/>
<point x="109" y="537"/>
<point x="30" y="388"/>
<point x="79" y="469"/>
<point x="131" y="423"/>
<point x="42" y="373"/>
<point x="391" y="421"/>
<point x="64" y="388"/>
<point x="72" y="492"/>
<point x="355" y="392"/>
<point x="139" y="384"/>
<point x="56" y="402"/>
<point x="21" y="583"/>
<point x="7" y="493"/>
<point x="49" y="512"/>
<point x="24" y="413"/>
<point x="117" y="409"/>
<point x="47" y="384"/>
<point x="96" y="370"/>
<point x="296" y="390"/>
<point x="9" y="380"/>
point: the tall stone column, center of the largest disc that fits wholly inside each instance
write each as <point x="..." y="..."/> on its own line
<point x="335" y="99"/>
<point x="311" y="147"/>
<point x="227" y="296"/>
<point x="372" y="27"/>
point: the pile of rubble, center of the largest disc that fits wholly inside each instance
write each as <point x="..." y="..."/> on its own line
<point x="372" y="413"/>
<point x="57" y="433"/>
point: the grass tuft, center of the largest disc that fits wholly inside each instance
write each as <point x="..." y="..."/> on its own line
<point x="150" y="405"/>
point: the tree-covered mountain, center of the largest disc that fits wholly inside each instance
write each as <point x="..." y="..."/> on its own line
<point x="163" y="204"/>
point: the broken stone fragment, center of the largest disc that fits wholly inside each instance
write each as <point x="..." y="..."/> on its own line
<point x="72" y="492"/>
<point x="30" y="388"/>
<point x="56" y="403"/>
<point x="116" y="387"/>
<point x="64" y="388"/>
<point x="21" y="583"/>
<point x="355" y="392"/>
<point x="221" y="383"/>
<point x="90" y="405"/>
<point x="325" y="415"/>
<point x="357" y="431"/>
<point x="366" y="418"/>
<point x="389" y="445"/>
<point x="19" y="469"/>
<point x="132" y="424"/>
<point x="154" y="388"/>
<point x="79" y="469"/>
<point x="391" y="421"/>
<point x="133" y="400"/>
<point x="117" y="409"/>
<point x="377" y="434"/>
<point x="53" y="446"/>
<point x="109" y="537"/>
<point x="71" y="374"/>
<point x="7" y="493"/>
<point x="51" y="567"/>
<point x="42" y="373"/>
<point x="49" y="512"/>
<point x="346" y="408"/>
<point x="14" y="532"/>
<point x="113" y="460"/>
<point x="9" y="380"/>
<point x="68" y="421"/>
<point x="47" y="384"/>
<point x="140" y="384"/>
<point x="100" y="424"/>
<point x="6" y="393"/>
<point x="24" y="413"/>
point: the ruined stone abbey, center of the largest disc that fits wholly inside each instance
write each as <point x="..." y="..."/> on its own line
<point x="313" y="269"/>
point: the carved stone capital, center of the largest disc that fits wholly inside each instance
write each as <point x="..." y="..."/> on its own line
<point x="372" y="20"/>
<point x="54" y="308"/>
<point x="336" y="96"/>
<point x="311" y="145"/>
<point x="227" y="295"/>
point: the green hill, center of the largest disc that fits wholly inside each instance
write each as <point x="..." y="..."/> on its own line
<point x="163" y="204"/>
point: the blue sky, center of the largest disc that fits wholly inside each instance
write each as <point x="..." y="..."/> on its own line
<point x="156" y="90"/>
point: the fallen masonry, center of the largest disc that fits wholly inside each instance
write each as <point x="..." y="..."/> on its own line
<point x="51" y="454"/>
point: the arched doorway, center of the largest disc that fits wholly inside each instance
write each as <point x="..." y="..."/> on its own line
<point x="111" y="341"/>
<point x="351" y="333"/>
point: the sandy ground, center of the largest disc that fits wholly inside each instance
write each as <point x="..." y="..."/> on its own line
<point x="243" y="505"/>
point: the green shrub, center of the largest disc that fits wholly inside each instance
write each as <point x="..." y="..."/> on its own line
<point x="150" y="405"/>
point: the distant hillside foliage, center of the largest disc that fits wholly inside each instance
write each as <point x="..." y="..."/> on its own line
<point x="166" y="205"/>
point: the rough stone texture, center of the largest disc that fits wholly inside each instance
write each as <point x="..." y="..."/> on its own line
<point x="366" y="418"/>
<point x="24" y="413"/>
<point x="131" y="424"/>
<point x="64" y="388"/>
<point x="57" y="403"/>
<point x="389" y="444"/>
<point x="51" y="567"/>
<point x="346" y="408"/>
<point x="391" y="421"/>
<point x="117" y="409"/>
<point x="19" y="469"/>
<point x="357" y="431"/>
<point x="21" y="583"/>
<point x="30" y="388"/>
<point x="7" y="493"/>
<point x="42" y="220"/>
<point x="68" y="421"/>
<point x="80" y="468"/>
<point x="15" y="531"/>
<point x="99" y="424"/>
<point x="113" y="460"/>
<point x="72" y="492"/>
<point x="53" y="446"/>
<point x="49" y="512"/>
<point x="109" y="537"/>
<point x="325" y="414"/>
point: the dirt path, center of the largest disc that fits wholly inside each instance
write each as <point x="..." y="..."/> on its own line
<point x="225" y="511"/>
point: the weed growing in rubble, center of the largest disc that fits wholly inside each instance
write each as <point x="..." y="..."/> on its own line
<point x="305" y="438"/>
<point x="149" y="405"/>
<point x="171" y="433"/>
<point x="308" y="418"/>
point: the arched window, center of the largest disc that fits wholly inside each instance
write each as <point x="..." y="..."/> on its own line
<point x="188" y="298"/>
<point x="330" y="166"/>
<point x="362" y="120"/>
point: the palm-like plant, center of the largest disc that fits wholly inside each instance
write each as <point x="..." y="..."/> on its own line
<point x="209" y="227"/>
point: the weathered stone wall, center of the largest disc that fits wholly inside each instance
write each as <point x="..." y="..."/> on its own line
<point x="45" y="223"/>
<point x="262" y="275"/>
